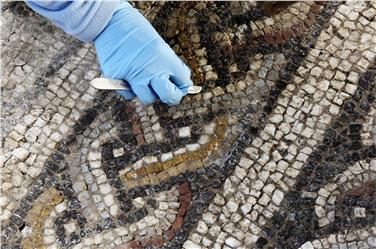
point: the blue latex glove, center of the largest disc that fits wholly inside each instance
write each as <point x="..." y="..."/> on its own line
<point x="130" y="49"/>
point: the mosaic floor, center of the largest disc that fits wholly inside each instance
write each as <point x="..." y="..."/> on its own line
<point x="278" y="151"/>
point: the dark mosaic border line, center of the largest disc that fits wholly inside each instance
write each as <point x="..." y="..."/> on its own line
<point x="239" y="53"/>
<point x="112" y="165"/>
<point x="210" y="179"/>
<point x="219" y="59"/>
<point x="219" y="171"/>
<point x="72" y="45"/>
<point x="48" y="177"/>
<point x="341" y="148"/>
<point x="229" y="162"/>
<point x="198" y="180"/>
<point x="74" y="214"/>
<point x="19" y="9"/>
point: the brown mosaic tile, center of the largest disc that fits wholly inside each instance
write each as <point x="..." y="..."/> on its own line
<point x="292" y="167"/>
<point x="37" y="217"/>
<point x="178" y="164"/>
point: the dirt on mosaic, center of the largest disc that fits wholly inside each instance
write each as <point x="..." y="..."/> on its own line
<point x="278" y="150"/>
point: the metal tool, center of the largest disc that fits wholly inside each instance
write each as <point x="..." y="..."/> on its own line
<point x="111" y="84"/>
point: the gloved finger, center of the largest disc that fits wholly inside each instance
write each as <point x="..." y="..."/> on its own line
<point x="127" y="94"/>
<point x="167" y="91"/>
<point x="182" y="78"/>
<point x="180" y="73"/>
<point x="143" y="92"/>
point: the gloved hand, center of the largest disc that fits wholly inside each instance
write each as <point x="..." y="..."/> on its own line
<point x="130" y="49"/>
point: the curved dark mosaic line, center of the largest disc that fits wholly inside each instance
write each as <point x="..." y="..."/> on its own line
<point x="74" y="211"/>
<point x="24" y="49"/>
<point x="112" y="165"/>
<point x="207" y="180"/>
<point x="168" y="123"/>
<point x="225" y="167"/>
<point x="48" y="177"/>
<point x="222" y="58"/>
<point x="210" y="179"/>
<point x="17" y="8"/>
<point x="218" y="57"/>
<point x="71" y="48"/>
<point x="297" y="222"/>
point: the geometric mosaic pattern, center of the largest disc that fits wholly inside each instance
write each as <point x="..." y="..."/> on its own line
<point x="277" y="151"/>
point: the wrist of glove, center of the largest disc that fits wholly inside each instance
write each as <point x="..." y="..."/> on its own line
<point x="130" y="49"/>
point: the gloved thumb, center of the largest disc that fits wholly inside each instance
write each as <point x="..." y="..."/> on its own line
<point x="166" y="90"/>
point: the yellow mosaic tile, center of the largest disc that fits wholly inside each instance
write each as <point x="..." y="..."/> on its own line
<point x="172" y="171"/>
<point x="188" y="161"/>
<point x="37" y="216"/>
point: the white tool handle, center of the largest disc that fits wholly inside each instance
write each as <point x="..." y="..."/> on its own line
<point x="110" y="84"/>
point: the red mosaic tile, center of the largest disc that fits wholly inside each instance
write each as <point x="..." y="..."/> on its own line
<point x="287" y="34"/>
<point x="315" y="8"/>
<point x="186" y="198"/>
<point x="169" y="234"/>
<point x="157" y="241"/>
<point x="140" y="139"/>
<point x="322" y="3"/>
<point x="133" y="244"/>
<point x="269" y="38"/>
<point x="183" y="188"/>
<point x="133" y="118"/>
<point x="310" y="19"/>
<point x="298" y="29"/>
<point x="181" y="211"/>
<point x="177" y="223"/>
<point x="278" y="37"/>
<point x="366" y="189"/>
<point x="136" y="128"/>
<point x="183" y="207"/>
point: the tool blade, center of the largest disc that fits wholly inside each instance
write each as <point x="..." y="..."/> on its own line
<point x="109" y="84"/>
